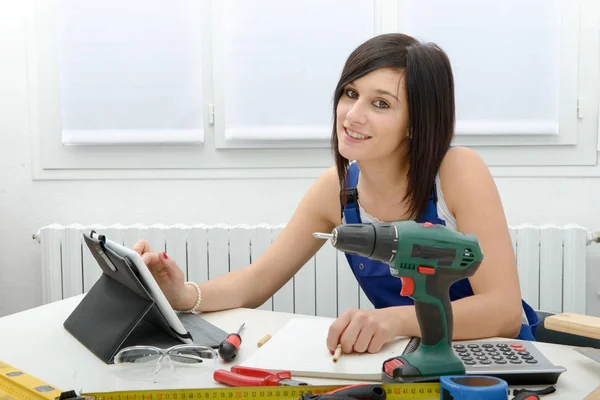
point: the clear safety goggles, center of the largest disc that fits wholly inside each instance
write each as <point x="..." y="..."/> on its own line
<point x="184" y="361"/>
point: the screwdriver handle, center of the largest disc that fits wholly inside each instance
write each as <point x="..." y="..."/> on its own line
<point x="228" y="349"/>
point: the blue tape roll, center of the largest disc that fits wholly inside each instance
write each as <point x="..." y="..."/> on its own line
<point x="473" y="387"/>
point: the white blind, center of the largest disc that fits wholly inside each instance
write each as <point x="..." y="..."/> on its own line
<point x="130" y="71"/>
<point x="506" y="60"/>
<point x="281" y="61"/>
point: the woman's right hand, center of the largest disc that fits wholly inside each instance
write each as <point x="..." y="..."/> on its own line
<point x="168" y="275"/>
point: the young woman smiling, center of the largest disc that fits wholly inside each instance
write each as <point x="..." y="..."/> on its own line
<point x="394" y="116"/>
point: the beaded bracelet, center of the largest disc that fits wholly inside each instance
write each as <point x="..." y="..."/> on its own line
<point x="197" y="305"/>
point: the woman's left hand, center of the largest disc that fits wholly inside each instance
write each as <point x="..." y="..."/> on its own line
<point x="363" y="330"/>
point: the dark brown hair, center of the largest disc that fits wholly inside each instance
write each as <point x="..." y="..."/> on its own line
<point x="430" y="94"/>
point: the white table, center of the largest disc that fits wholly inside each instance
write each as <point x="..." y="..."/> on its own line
<point x="36" y="342"/>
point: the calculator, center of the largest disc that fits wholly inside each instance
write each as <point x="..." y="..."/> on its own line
<point x="516" y="362"/>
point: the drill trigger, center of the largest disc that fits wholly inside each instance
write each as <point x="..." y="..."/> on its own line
<point x="408" y="286"/>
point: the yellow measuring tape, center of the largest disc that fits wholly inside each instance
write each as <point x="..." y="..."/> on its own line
<point x="396" y="391"/>
<point x="18" y="385"/>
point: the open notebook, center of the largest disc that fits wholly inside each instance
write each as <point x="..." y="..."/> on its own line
<point x="299" y="347"/>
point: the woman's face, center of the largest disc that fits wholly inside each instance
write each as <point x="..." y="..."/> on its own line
<point x="372" y="116"/>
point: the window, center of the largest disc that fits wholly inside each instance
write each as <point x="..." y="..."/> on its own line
<point x="507" y="80"/>
<point x="517" y="75"/>
<point x="188" y="137"/>
<point x="132" y="76"/>
<point x="278" y="63"/>
<point x="235" y="89"/>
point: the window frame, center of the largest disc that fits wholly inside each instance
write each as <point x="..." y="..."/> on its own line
<point x="571" y="153"/>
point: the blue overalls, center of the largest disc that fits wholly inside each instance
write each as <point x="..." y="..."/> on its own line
<point x="381" y="288"/>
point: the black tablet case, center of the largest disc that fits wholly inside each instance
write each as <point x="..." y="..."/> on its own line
<point x="118" y="311"/>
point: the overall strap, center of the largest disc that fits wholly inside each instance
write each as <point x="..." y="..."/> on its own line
<point x="351" y="209"/>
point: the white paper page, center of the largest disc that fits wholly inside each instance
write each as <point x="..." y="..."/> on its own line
<point x="299" y="347"/>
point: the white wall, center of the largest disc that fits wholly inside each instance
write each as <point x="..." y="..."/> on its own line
<point x="26" y="205"/>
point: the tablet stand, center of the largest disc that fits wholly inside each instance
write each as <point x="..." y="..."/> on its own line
<point x="118" y="312"/>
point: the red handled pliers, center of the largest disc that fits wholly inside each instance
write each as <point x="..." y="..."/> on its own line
<point x="245" y="376"/>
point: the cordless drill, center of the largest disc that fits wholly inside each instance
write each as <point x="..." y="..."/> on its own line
<point x="428" y="259"/>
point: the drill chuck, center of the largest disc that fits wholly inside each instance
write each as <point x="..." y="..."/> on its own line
<point x="377" y="242"/>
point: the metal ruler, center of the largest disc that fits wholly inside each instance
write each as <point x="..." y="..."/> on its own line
<point x="18" y="385"/>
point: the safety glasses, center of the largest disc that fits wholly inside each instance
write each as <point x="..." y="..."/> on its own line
<point x="145" y="363"/>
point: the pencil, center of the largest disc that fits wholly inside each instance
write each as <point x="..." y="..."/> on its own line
<point x="338" y="353"/>
<point x="264" y="340"/>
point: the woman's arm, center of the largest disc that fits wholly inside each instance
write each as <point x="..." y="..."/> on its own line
<point x="295" y="245"/>
<point x="253" y="285"/>
<point x="472" y="197"/>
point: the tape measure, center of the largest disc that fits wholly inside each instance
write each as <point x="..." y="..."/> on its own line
<point x="394" y="391"/>
<point x="18" y="385"/>
<point x="473" y="387"/>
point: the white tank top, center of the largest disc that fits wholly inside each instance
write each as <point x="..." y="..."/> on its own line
<point x="442" y="208"/>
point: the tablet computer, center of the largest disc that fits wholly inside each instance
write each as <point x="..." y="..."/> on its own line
<point x="150" y="283"/>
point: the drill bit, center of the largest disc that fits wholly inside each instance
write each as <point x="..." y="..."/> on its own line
<point x="320" y="235"/>
<point x="332" y="236"/>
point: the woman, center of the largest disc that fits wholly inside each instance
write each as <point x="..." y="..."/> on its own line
<point x="394" y="115"/>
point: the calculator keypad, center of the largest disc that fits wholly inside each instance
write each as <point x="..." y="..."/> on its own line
<point x="486" y="354"/>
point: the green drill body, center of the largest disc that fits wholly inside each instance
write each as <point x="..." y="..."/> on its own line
<point x="428" y="259"/>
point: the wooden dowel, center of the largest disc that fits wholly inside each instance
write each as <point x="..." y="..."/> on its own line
<point x="264" y="340"/>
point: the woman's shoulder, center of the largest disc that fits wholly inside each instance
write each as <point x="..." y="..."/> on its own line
<point x="462" y="171"/>
<point x="458" y="153"/>
<point x="460" y="159"/>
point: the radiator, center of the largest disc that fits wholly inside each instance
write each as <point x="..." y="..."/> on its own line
<point x="551" y="263"/>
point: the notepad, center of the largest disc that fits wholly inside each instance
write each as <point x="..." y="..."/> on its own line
<point x="299" y="347"/>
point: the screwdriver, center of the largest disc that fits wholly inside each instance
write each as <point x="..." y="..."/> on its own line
<point x="228" y="349"/>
